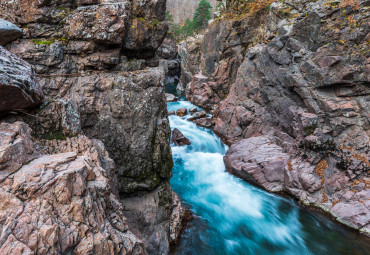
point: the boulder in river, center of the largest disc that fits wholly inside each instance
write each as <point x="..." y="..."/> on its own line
<point x="171" y="113"/>
<point x="179" y="139"/>
<point x="181" y="112"/>
<point x="193" y="109"/>
<point x="259" y="161"/>
<point x="198" y="115"/>
<point x="171" y="98"/>
<point x="19" y="88"/>
<point x="8" y="32"/>
<point x="204" y="122"/>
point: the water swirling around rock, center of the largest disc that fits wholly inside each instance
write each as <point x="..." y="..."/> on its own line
<point x="233" y="217"/>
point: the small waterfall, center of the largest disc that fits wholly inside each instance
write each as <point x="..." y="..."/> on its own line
<point x="234" y="217"/>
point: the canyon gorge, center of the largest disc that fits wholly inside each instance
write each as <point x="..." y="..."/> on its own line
<point x="249" y="137"/>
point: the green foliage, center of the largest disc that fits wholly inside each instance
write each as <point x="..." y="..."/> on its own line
<point x="51" y="41"/>
<point x="202" y="15"/>
<point x="200" y="21"/>
<point x="39" y="42"/>
<point x="168" y="18"/>
<point x="155" y="22"/>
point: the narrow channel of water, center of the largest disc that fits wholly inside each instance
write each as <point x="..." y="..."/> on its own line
<point x="234" y="217"/>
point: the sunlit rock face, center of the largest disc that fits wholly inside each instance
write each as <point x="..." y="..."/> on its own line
<point x="184" y="9"/>
<point x="56" y="197"/>
<point x="94" y="64"/>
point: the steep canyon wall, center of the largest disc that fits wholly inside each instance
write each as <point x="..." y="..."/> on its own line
<point x="101" y="83"/>
<point x="289" y="88"/>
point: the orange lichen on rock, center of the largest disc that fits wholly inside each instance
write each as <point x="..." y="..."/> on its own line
<point x="324" y="197"/>
<point x="362" y="158"/>
<point x="290" y="165"/>
<point x="352" y="3"/>
<point x="335" y="202"/>
<point x="320" y="169"/>
<point x="346" y="148"/>
<point x="366" y="182"/>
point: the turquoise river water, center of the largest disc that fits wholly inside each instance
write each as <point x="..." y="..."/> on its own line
<point x="234" y="217"/>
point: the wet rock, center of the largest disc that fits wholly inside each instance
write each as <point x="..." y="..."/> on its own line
<point x="259" y="161"/>
<point x="177" y="215"/>
<point x="8" y="32"/>
<point x="193" y="110"/>
<point x="182" y="112"/>
<point x="171" y="98"/>
<point x="197" y="115"/>
<point x="178" y="139"/>
<point x="204" y="122"/>
<point x="19" y="88"/>
<point x="171" y="113"/>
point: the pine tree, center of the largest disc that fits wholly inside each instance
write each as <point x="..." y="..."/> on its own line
<point x="202" y="15"/>
<point x="187" y="28"/>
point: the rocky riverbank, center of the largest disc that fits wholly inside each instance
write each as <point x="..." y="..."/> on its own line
<point x="85" y="158"/>
<point x="289" y="89"/>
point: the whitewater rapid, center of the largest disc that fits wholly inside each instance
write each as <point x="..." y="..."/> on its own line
<point x="233" y="217"/>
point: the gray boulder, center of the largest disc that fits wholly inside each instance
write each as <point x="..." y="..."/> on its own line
<point x="179" y="139"/>
<point x="8" y="32"/>
<point x="19" y="88"/>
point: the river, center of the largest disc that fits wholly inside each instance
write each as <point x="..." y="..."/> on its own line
<point x="234" y="217"/>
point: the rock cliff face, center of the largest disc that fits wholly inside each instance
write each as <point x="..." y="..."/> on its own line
<point x="170" y="60"/>
<point x="296" y="111"/>
<point x="92" y="61"/>
<point x="184" y="9"/>
<point x="59" y="203"/>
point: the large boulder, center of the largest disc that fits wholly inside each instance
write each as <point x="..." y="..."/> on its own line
<point x="259" y="161"/>
<point x="171" y="97"/>
<point x="19" y="88"/>
<point x="8" y="32"/>
<point x="178" y="139"/>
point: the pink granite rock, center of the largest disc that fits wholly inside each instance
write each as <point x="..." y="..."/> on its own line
<point x="60" y="202"/>
<point x="259" y="161"/>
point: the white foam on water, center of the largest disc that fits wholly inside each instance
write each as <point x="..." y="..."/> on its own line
<point x="224" y="201"/>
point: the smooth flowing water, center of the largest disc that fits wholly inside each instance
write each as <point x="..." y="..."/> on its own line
<point x="233" y="217"/>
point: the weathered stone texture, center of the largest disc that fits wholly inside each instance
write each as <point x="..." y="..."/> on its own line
<point x="95" y="62"/>
<point x="60" y="202"/>
<point x="303" y="84"/>
<point x="19" y="88"/>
